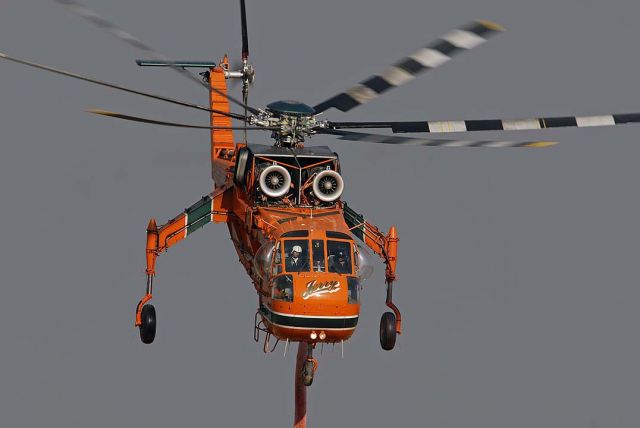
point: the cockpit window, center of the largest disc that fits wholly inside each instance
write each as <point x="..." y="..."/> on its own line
<point x="353" y="285"/>
<point x="296" y="234"/>
<point x="339" y="235"/>
<point x="282" y="288"/>
<point x="339" y="256"/>
<point x="317" y="247"/>
<point x="296" y="253"/>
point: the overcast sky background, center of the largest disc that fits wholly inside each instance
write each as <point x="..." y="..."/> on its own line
<point x="518" y="269"/>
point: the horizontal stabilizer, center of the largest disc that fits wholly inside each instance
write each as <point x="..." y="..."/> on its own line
<point x="181" y="64"/>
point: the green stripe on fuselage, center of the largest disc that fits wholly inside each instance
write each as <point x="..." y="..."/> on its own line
<point x="198" y="214"/>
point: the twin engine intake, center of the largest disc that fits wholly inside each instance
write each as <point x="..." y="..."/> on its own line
<point x="275" y="182"/>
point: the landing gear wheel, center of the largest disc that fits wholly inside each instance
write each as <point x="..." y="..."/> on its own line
<point x="388" y="331"/>
<point x="307" y="373"/>
<point x="148" y="326"/>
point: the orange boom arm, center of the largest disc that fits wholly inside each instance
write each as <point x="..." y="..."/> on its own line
<point x="211" y="208"/>
<point x="385" y="246"/>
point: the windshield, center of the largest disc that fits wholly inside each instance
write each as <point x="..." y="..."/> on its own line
<point x="339" y="256"/>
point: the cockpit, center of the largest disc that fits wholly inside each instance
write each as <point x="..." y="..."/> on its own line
<point x="296" y="254"/>
<point x="320" y="264"/>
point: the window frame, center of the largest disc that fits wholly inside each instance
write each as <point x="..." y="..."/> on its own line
<point x="324" y="255"/>
<point x="274" y="264"/>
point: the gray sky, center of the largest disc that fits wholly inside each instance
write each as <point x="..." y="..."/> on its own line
<point x="517" y="271"/>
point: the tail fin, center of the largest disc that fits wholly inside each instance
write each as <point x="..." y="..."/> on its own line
<point x="222" y="144"/>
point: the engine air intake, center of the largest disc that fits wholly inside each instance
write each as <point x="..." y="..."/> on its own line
<point x="328" y="186"/>
<point x="275" y="181"/>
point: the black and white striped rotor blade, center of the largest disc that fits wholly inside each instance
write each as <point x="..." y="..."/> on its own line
<point x="174" y="124"/>
<point x="450" y="126"/>
<point x="429" y="57"/>
<point x="104" y="24"/>
<point x="83" y="11"/>
<point x="389" y="139"/>
<point x="245" y="37"/>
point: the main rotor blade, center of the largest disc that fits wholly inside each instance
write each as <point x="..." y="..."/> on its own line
<point x="99" y="21"/>
<point x="427" y="58"/>
<point x="245" y="60"/>
<point x="495" y="124"/>
<point x="245" y="37"/>
<point x="174" y="124"/>
<point x="118" y="87"/>
<point x="91" y="16"/>
<point x="387" y="139"/>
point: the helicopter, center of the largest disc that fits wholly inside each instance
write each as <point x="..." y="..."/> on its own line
<point x="280" y="198"/>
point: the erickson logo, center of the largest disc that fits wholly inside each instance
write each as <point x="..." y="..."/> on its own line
<point x="315" y="288"/>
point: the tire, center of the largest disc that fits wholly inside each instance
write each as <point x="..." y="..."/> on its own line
<point x="148" y="326"/>
<point x="388" y="331"/>
<point x="307" y="373"/>
<point x="241" y="166"/>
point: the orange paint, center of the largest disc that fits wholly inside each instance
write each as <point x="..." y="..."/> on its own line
<point x="222" y="145"/>
<point x="152" y="247"/>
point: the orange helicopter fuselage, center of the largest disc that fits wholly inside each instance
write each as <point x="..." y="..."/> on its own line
<point x="318" y="301"/>
<point x="296" y="247"/>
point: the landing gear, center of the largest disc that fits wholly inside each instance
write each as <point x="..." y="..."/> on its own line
<point x="388" y="331"/>
<point x="309" y="367"/>
<point x="146" y="313"/>
<point x="148" y="324"/>
<point x="391" y="321"/>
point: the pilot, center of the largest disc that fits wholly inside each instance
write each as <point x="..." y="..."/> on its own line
<point x="295" y="262"/>
<point x="339" y="263"/>
<point x="282" y="293"/>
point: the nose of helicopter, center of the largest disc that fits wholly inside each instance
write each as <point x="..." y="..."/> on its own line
<point x="324" y="308"/>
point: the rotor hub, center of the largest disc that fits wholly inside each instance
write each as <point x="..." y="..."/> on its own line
<point x="295" y="121"/>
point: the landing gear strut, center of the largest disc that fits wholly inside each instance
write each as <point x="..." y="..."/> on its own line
<point x="146" y="315"/>
<point x="391" y="321"/>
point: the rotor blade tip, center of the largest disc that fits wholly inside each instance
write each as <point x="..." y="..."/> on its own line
<point x="491" y="25"/>
<point x="542" y="144"/>
<point x="99" y="111"/>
